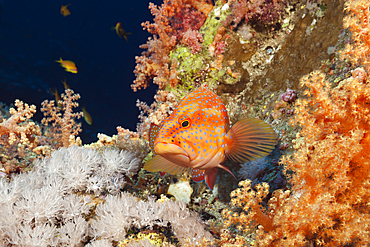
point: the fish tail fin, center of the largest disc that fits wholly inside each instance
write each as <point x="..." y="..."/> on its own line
<point x="126" y="34"/>
<point x="59" y="61"/>
<point x="250" y="139"/>
<point x="53" y="91"/>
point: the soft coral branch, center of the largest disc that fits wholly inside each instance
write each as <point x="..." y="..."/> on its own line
<point x="15" y="131"/>
<point x="64" y="125"/>
<point x="358" y="21"/>
<point x="250" y="201"/>
<point x="171" y="20"/>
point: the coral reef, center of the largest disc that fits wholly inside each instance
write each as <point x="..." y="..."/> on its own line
<point x="171" y="21"/>
<point x="290" y="63"/>
<point x="264" y="12"/>
<point x="328" y="201"/>
<point x="45" y="206"/>
<point x="22" y="140"/>
<point x="118" y="214"/>
<point x="19" y="138"/>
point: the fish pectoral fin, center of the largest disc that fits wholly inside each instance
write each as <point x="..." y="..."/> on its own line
<point x="153" y="132"/>
<point x="160" y="164"/>
<point x="250" y="139"/>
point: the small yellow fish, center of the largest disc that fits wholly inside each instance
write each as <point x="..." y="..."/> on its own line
<point x="68" y="65"/>
<point x="64" y="10"/>
<point x="87" y="116"/>
<point x="120" y="31"/>
<point x="66" y="86"/>
<point x="197" y="135"/>
<point x="57" y="97"/>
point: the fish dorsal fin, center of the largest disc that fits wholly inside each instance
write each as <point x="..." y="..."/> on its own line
<point x="250" y="139"/>
<point x="160" y="164"/>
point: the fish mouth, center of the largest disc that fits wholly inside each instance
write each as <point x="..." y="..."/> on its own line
<point x="172" y="153"/>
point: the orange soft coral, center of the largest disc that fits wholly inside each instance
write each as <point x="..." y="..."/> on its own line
<point x="18" y="135"/>
<point x="65" y="129"/>
<point x="330" y="171"/>
<point x="331" y="176"/>
<point x="15" y="131"/>
<point x="250" y="201"/>
<point x="358" y="21"/>
<point x="153" y="64"/>
<point x="171" y="20"/>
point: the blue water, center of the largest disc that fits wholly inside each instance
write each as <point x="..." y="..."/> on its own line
<point x="34" y="35"/>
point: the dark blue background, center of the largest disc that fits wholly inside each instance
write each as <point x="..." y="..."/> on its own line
<point x="33" y="34"/>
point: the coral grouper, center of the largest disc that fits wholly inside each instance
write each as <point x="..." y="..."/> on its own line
<point x="197" y="135"/>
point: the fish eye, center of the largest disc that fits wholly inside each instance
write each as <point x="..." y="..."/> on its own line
<point x="185" y="124"/>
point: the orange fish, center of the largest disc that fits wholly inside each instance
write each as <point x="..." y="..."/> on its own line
<point x="68" y="65"/>
<point x="64" y="10"/>
<point x="120" y="31"/>
<point x="198" y="135"/>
